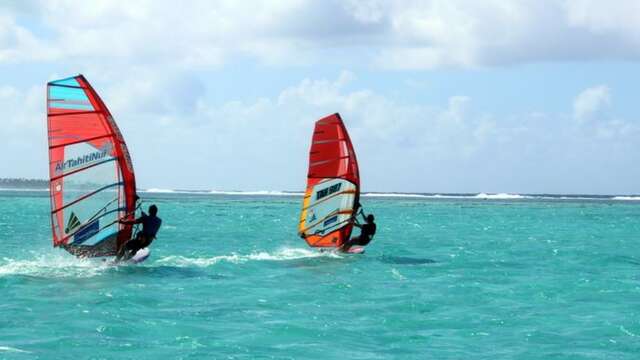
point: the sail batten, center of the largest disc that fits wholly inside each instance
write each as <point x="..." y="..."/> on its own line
<point x="92" y="184"/>
<point x="333" y="186"/>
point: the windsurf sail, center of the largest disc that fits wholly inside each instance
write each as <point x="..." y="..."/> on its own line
<point x="92" y="183"/>
<point x="333" y="186"/>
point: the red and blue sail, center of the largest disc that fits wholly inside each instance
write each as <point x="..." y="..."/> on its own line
<point x="92" y="183"/>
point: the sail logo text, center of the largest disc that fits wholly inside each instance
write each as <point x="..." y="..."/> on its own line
<point x="81" y="160"/>
<point x="328" y="191"/>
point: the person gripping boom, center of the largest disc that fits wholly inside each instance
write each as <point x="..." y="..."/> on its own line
<point x="367" y="231"/>
<point x="150" y="226"/>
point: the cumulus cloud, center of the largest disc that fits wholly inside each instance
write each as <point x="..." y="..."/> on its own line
<point x="621" y="17"/>
<point x="23" y="138"/>
<point x="156" y="67"/>
<point x="399" y="35"/>
<point x="590" y="102"/>
<point x="263" y="143"/>
<point x="429" y="146"/>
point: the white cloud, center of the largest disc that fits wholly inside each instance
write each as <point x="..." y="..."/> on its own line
<point x="590" y="101"/>
<point x="18" y="44"/>
<point x="371" y="11"/>
<point x="400" y="35"/>
<point x="441" y="145"/>
<point x="155" y="65"/>
<point x="23" y="138"/>
<point x="225" y="146"/>
<point x="621" y="17"/>
<point x="263" y="143"/>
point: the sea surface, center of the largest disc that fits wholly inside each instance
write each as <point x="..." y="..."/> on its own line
<point x="493" y="277"/>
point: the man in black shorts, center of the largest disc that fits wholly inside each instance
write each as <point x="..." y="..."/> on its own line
<point x="367" y="230"/>
<point x="150" y="226"/>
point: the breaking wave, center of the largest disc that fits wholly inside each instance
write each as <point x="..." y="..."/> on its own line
<point x="14" y="350"/>
<point x="627" y="198"/>
<point x="501" y="196"/>
<point x="472" y="196"/>
<point x="484" y="196"/>
<point x="53" y="266"/>
<point x="154" y="190"/>
<point x="259" y="192"/>
<point x="403" y="195"/>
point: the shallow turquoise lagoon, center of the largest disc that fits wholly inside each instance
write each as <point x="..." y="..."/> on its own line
<point x="229" y="279"/>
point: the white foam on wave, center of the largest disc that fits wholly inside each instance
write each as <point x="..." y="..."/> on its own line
<point x="53" y="266"/>
<point x="259" y="192"/>
<point x="419" y="196"/>
<point x="568" y="198"/>
<point x="12" y="349"/>
<point x="482" y="196"/>
<point x="156" y="190"/>
<point x="279" y="255"/>
<point x="500" y="196"/>
<point x="222" y="192"/>
<point x="399" y="195"/>
<point x="397" y="275"/>
<point x="627" y="198"/>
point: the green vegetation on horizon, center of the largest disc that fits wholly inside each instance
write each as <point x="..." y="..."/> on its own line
<point x="23" y="183"/>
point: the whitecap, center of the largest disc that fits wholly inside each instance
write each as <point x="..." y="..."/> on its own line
<point x="155" y="190"/>
<point x="53" y="266"/>
<point x="256" y="193"/>
<point x="399" y="195"/>
<point x="396" y="274"/>
<point x="627" y="198"/>
<point x="500" y="196"/>
<point x="12" y="349"/>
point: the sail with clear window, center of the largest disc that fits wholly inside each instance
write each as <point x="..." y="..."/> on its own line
<point x="333" y="186"/>
<point x="92" y="183"/>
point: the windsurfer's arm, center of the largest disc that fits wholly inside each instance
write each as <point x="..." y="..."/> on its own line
<point x="131" y="222"/>
<point x="355" y="220"/>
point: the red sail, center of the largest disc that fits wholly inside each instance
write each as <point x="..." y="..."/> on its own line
<point x="333" y="186"/>
<point x="92" y="183"/>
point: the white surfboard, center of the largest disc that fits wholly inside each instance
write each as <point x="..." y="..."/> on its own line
<point x="352" y="250"/>
<point x="140" y="256"/>
<point x="355" y="250"/>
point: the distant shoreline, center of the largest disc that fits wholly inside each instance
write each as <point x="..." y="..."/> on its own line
<point x="23" y="184"/>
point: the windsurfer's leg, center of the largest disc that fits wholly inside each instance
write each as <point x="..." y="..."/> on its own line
<point x="145" y="241"/>
<point x="121" y="252"/>
<point x="349" y="243"/>
<point x="131" y="247"/>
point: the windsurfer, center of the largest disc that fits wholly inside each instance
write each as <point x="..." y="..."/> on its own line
<point x="367" y="231"/>
<point x="150" y="226"/>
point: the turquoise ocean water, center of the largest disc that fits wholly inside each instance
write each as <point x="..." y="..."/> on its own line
<point x="229" y="279"/>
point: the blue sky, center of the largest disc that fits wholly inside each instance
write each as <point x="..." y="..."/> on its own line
<point x="439" y="96"/>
